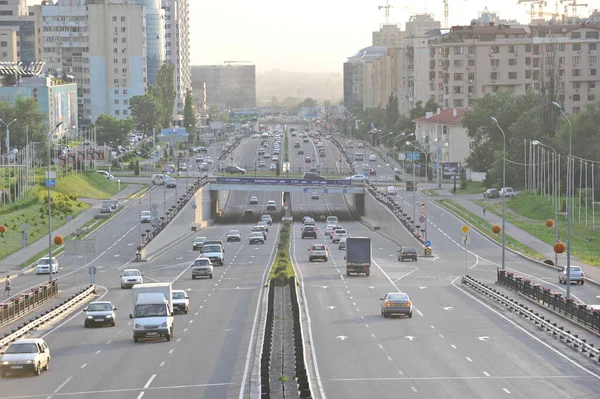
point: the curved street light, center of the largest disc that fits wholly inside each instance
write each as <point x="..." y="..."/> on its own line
<point x="503" y="194"/>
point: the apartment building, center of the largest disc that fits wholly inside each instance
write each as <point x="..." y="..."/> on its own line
<point x="227" y="86"/>
<point x="102" y="45"/>
<point x="8" y="44"/>
<point x="471" y="61"/>
<point x="155" y="22"/>
<point x="441" y="134"/>
<point x="359" y="77"/>
<point x="388" y="35"/>
<point x="177" y="36"/>
<point x="20" y="45"/>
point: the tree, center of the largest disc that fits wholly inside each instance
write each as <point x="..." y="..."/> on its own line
<point x="189" y="116"/>
<point x="164" y="82"/>
<point x="392" y="113"/>
<point x="309" y="103"/>
<point x="277" y="169"/>
<point x="145" y="110"/>
<point x="30" y="122"/>
<point x="113" y="131"/>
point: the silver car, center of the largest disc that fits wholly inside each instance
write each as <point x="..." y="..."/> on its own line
<point x="100" y="314"/>
<point x="146" y="217"/>
<point x="396" y="303"/>
<point x="181" y="301"/>
<point x="577" y="275"/>
<point x="234" y="235"/>
<point x="202" y="267"/>
<point x="256" y="238"/>
<point x="342" y="244"/>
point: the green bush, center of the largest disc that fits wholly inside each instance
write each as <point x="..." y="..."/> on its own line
<point x="282" y="268"/>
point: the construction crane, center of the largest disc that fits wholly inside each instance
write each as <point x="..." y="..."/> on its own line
<point x="386" y="7"/>
<point x="540" y="4"/>
<point x="574" y="5"/>
<point x="446" y="14"/>
<point x="237" y="62"/>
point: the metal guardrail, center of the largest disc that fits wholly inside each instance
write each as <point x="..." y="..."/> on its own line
<point x="579" y="313"/>
<point x="69" y="303"/>
<point x="26" y="302"/>
<point x="572" y="340"/>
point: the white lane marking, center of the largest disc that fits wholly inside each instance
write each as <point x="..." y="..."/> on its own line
<point x="440" y="335"/>
<point x="419" y="312"/>
<point x="432" y="326"/>
<point x="108" y="343"/>
<point x="380" y="346"/>
<point x="556" y="351"/>
<point x="486" y="373"/>
<point x="61" y="386"/>
<point x="98" y="352"/>
<point x="414" y="389"/>
<point x="468" y="358"/>
<point x="506" y="390"/>
<point x="171" y="351"/>
<point x="83" y="365"/>
<point x="453" y="346"/>
<point x="150" y="381"/>
<point x="400" y="372"/>
<point x="141" y="395"/>
<point x="390" y="359"/>
<point x="161" y="364"/>
<point x="178" y="340"/>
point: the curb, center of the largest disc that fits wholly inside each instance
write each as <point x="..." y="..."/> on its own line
<point x="515" y="252"/>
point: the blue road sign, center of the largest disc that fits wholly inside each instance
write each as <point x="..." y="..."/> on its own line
<point x="272" y="181"/>
<point x="345" y="191"/>
<point x="422" y="219"/>
<point x="427" y="243"/>
<point x="194" y="206"/>
<point x="325" y="190"/>
<point x="305" y="189"/>
<point x="50" y="182"/>
<point x="92" y="270"/>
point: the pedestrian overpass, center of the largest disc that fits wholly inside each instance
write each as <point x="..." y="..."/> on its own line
<point x="339" y="186"/>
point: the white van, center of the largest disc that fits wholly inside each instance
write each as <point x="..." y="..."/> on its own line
<point x="391" y="190"/>
<point x="372" y="158"/>
<point x="159" y="179"/>
<point x="332" y="220"/>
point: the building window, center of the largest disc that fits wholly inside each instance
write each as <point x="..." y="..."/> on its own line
<point x="458" y="63"/>
<point x="116" y="70"/>
<point x="125" y="112"/>
<point x="576" y="72"/>
<point x="115" y="50"/>
<point x="495" y="75"/>
<point x="124" y="61"/>
<point x="4" y="44"/>
<point x="115" y="60"/>
<point x="124" y="82"/>
<point x="114" y="19"/>
<point x="123" y="30"/>
<point x="494" y="62"/>
<point x="576" y="97"/>
<point x="512" y="61"/>
<point x="591" y="97"/>
<point x="591" y="35"/>
<point x="125" y="92"/>
<point x="528" y="74"/>
<point x="116" y="112"/>
<point x="458" y="50"/>
<point x="458" y="76"/>
<point x="527" y="60"/>
<point x="494" y="49"/>
<point x="592" y="59"/>
<point x="116" y="102"/>
<point x="592" y="46"/>
<point x="528" y="48"/>
<point x="116" y="91"/>
<point x="577" y="47"/>
<point x="115" y="40"/>
<point x="576" y="60"/>
<point x="512" y="49"/>
<point x="126" y="102"/>
<point x="458" y="89"/>
<point x="122" y="19"/>
<point x="116" y="81"/>
<point x="123" y="40"/>
<point x="124" y="70"/>
<point x="512" y="75"/>
<point x="593" y="72"/>
<point x="458" y="103"/>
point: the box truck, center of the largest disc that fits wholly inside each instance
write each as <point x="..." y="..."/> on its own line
<point x="358" y="255"/>
<point x="152" y="311"/>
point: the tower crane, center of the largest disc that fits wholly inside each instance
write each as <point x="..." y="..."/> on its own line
<point x="574" y="5"/>
<point x="446" y="14"/>
<point x="386" y="7"/>
<point x="540" y="4"/>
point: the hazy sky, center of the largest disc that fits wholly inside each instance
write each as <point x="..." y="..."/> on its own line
<point x="314" y="35"/>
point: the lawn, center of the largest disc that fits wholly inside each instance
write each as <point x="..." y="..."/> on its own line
<point x="484" y="227"/>
<point x="473" y="187"/>
<point x="65" y="197"/>
<point x="530" y="212"/>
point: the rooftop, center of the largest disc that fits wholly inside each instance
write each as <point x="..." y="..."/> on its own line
<point x="448" y="116"/>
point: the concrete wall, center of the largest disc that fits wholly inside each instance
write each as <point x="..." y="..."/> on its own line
<point x="355" y="204"/>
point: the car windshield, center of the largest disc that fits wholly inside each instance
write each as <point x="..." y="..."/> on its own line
<point x="234" y="233"/>
<point x="150" y="310"/>
<point x="178" y="295"/>
<point x="319" y="247"/>
<point x="256" y="235"/>
<point x="397" y="296"/>
<point x="201" y="262"/>
<point x="129" y="273"/>
<point x="341" y="232"/>
<point x="99" y="307"/>
<point x="575" y="269"/>
<point x="212" y="248"/>
<point x="309" y="228"/>
<point x="22" y="348"/>
<point x="146" y="213"/>
<point x="199" y="239"/>
<point x="408" y="250"/>
<point x="44" y="261"/>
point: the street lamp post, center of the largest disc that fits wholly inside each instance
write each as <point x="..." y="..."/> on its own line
<point x="503" y="193"/>
<point x="49" y="197"/>
<point x="8" y="133"/>
<point x="569" y="196"/>
<point x="414" y="187"/>
<point x="556" y="191"/>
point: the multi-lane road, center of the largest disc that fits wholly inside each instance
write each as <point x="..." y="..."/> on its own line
<point x="454" y="346"/>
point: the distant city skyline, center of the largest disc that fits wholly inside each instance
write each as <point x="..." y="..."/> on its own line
<point x="316" y="35"/>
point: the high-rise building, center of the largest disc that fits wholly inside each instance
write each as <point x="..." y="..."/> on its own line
<point x="101" y="45"/>
<point x="388" y="35"/>
<point x="20" y="45"/>
<point x="227" y="86"/>
<point x="358" y="77"/>
<point x="154" y="23"/>
<point x="177" y="36"/>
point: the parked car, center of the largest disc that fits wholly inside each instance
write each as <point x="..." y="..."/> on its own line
<point x="507" y="192"/>
<point x="576" y="275"/>
<point x="407" y="253"/>
<point x="491" y="193"/>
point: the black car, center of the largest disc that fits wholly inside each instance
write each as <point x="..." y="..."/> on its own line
<point x="410" y="185"/>
<point x="309" y="232"/>
<point x="407" y="253"/>
<point x="234" y="169"/>
<point x="300" y="152"/>
<point x="491" y="193"/>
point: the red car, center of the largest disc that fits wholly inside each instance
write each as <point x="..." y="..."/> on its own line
<point x="307" y="160"/>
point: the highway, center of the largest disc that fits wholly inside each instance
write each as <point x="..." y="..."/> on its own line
<point x="454" y="346"/>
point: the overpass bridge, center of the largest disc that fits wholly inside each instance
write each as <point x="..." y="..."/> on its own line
<point x="337" y="186"/>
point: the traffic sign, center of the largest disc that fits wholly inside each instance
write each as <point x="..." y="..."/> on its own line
<point x="465" y="240"/>
<point x="50" y="182"/>
<point x="427" y="243"/>
<point x="325" y="190"/>
<point x="465" y="229"/>
<point x="345" y="191"/>
<point x="194" y="206"/>
<point x="422" y="219"/>
<point x="305" y="189"/>
<point x="92" y="270"/>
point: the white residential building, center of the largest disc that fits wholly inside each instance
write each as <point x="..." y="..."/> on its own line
<point x="177" y="35"/>
<point x="444" y="129"/>
<point x="102" y="44"/>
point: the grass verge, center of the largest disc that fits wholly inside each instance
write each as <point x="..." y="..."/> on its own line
<point x="529" y="212"/>
<point x="473" y="187"/>
<point x="484" y="227"/>
<point x="430" y="192"/>
<point x="282" y="269"/>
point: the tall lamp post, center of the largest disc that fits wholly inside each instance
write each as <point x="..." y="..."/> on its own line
<point x="503" y="193"/>
<point x="555" y="191"/>
<point x="414" y="186"/>
<point x="8" y="133"/>
<point x="569" y="196"/>
<point x="58" y="125"/>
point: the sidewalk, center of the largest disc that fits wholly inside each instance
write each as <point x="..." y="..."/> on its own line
<point x="13" y="263"/>
<point x="519" y="235"/>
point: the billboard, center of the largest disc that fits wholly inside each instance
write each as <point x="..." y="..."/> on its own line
<point x="451" y="169"/>
<point x="65" y="108"/>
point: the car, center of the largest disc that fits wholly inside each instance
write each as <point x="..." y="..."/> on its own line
<point x="106" y="208"/>
<point x="328" y="229"/>
<point x="271" y="206"/>
<point x="171" y="183"/>
<point x="214" y="252"/>
<point x="199" y="159"/>
<point x="307" y="219"/>
<point x="253" y="200"/>
<point x="159" y="179"/>
<point x="145" y="217"/>
<point x="342" y="244"/>
<point x="396" y="303"/>
<point x="360" y="145"/>
<point x="267" y="218"/>
<point x="507" y="192"/>
<point x="309" y="231"/>
<point x="491" y="193"/>
<point x="317" y="251"/>
<point x="301" y="152"/>
<point x="256" y="237"/>
<point x="262" y="164"/>
<point x="30" y="355"/>
<point x="332" y="220"/>
<point x="272" y="167"/>
<point x="314" y="195"/>
<point x="409" y="185"/>
<point x="235" y="169"/>
<point x="305" y="140"/>
<point x="407" y="253"/>
<point x="263" y="224"/>
<point x="360" y="178"/>
<point x="275" y="152"/>
<point x="297" y="144"/>
<point x="372" y="158"/>
<point x="209" y="160"/>
<point x="181" y="301"/>
<point x="314" y="176"/>
<point x="338" y="234"/>
<point x="198" y="243"/>
<point x="275" y="158"/>
<point x="307" y="160"/>
<point x="234" y="235"/>
<point x="106" y="174"/>
<point x="99" y="314"/>
<point x="43" y="266"/>
<point x="261" y="151"/>
<point x="260" y="229"/>
<point x="131" y="277"/>
<point x="576" y="276"/>
<point x="202" y="267"/>
<point x="322" y="154"/>
<point x="203" y="167"/>
<point x="182" y="167"/>
<point x="267" y="156"/>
